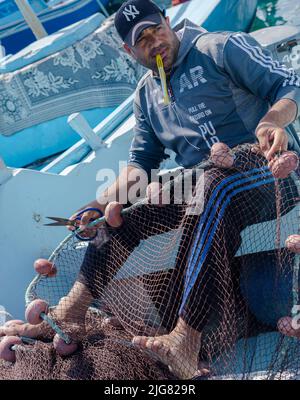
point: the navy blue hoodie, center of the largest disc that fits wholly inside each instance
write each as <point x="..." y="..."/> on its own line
<point x="220" y="87"/>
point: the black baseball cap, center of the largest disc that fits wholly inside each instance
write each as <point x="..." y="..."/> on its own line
<point x="134" y="16"/>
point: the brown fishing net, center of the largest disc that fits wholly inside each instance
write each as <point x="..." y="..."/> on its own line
<point x="204" y="281"/>
<point x="104" y="354"/>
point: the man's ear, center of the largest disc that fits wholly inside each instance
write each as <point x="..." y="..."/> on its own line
<point x="167" y="19"/>
<point x="128" y="49"/>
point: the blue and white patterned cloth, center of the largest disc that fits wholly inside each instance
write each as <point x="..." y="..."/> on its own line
<point x="93" y="72"/>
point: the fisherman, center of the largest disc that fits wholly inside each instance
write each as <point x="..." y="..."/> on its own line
<point x="222" y="87"/>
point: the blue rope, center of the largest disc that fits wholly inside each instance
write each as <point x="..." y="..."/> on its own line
<point x="56" y="328"/>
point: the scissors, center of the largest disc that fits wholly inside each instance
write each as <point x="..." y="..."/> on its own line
<point x="74" y="222"/>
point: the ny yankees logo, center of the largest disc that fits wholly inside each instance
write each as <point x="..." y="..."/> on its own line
<point x="130" y="12"/>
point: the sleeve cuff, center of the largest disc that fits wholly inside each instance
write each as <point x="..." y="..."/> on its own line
<point x="291" y="94"/>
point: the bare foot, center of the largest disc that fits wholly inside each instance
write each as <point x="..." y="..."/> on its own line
<point x="178" y="350"/>
<point x="69" y="314"/>
<point x="71" y="311"/>
<point x="42" y="330"/>
<point x="285" y="326"/>
<point x="203" y="369"/>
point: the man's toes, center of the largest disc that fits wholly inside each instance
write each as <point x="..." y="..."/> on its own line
<point x="161" y="349"/>
<point x="154" y="345"/>
<point x="24" y="330"/>
<point x="203" y="369"/>
<point x="11" y="330"/>
<point x="144" y="342"/>
<point x="140" y="341"/>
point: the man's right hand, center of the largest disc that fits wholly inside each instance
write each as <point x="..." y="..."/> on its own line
<point x="85" y="218"/>
<point x="112" y="214"/>
<point x="111" y="209"/>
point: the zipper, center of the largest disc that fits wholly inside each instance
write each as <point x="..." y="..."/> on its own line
<point x="170" y="92"/>
<point x="172" y="98"/>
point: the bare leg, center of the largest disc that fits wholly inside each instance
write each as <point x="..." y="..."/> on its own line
<point x="179" y="349"/>
<point x="73" y="307"/>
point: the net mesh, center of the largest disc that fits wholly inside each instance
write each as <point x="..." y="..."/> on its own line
<point x="200" y="292"/>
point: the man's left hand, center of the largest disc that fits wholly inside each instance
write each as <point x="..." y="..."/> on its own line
<point x="272" y="139"/>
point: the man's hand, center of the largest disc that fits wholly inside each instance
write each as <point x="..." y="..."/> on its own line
<point x="272" y="139"/>
<point x="112" y="215"/>
<point x="85" y="219"/>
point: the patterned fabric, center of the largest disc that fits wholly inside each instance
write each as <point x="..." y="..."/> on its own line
<point x="94" y="72"/>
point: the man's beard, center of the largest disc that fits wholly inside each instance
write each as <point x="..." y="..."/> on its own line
<point x="167" y="61"/>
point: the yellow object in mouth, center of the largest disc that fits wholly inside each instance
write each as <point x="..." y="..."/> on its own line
<point x="162" y="75"/>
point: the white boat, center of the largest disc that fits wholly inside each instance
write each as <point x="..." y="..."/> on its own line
<point x="32" y="195"/>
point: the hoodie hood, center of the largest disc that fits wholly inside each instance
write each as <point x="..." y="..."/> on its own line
<point x="187" y="33"/>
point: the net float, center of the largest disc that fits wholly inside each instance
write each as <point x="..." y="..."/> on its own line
<point x="34" y="311"/>
<point x="62" y="347"/>
<point x="221" y="156"/>
<point x="286" y="163"/>
<point x="113" y="214"/>
<point x="292" y="243"/>
<point x="44" y="267"/>
<point x="6" y="351"/>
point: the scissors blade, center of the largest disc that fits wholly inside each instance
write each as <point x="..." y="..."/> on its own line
<point x="60" y="222"/>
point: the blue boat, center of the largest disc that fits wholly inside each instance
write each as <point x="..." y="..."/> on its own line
<point x="82" y="68"/>
<point x="54" y="15"/>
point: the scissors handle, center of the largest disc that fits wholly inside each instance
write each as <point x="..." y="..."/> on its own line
<point x="80" y="213"/>
<point x="72" y="222"/>
<point x="90" y="224"/>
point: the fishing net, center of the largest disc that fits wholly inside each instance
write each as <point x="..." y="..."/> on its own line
<point x="204" y="281"/>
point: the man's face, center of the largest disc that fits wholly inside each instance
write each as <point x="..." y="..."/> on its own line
<point x="159" y="39"/>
